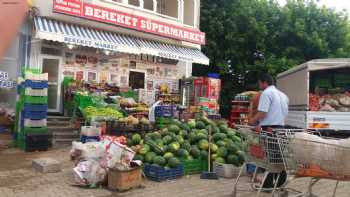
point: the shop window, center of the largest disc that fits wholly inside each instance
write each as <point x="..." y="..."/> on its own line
<point x="114" y="78"/>
<point x="149" y="4"/>
<point x="135" y="3"/>
<point x="136" y="80"/>
<point x="189" y="12"/>
<point x="51" y="51"/>
<point x="168" y="7"/>
<point x="91" y="76"/>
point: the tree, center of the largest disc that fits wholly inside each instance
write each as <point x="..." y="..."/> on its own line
<point x="286" y="36"/>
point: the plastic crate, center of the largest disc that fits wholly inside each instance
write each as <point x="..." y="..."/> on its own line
<point x="37" y="143"/>
<point x="226" y="170"/>
<point x="35" y="92"/>
<point x="35" y="123"/>
<point x="35" y="99"/>
<point x="157" y="173"/>
<point x="85" y="139"/>
<point x="35" y="131"/>
<point x="36" y="84"/>
<point x="165" y="111"/>
<point x="37" y="108"/>
<point x="34" y="115"/>
<point x="192" y="166"/>
<point x="36" y="76"/>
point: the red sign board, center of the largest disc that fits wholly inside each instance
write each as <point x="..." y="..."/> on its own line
<point x="115" y="17"/>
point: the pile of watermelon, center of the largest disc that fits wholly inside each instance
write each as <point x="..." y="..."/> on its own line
<point x="181" y="141"/>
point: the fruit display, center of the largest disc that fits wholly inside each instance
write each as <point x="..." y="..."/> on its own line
<point x="108" y="113"/>
<point x="330" y="102"/>
<point x="181" y="141"/>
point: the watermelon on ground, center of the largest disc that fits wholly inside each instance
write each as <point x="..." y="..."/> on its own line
<point x="221" y="152"/>
<point x="232" y="148"/>
<point x="200" y="125"/>
<point x="136" y="138"/>
<point x="168" y="155"/>
<point x="138" y="157"/>
<point x="195" y="152"/>
<point x="232" y="159"/>
<point x="173" y="162"/>
<point x="149" y="157"/>
<point x="159" y="160"/>
<point x="167" y="139"/>
<point x="203" y="144"/>
<point x="220" y="160"/>
<point x="174" y="128"/>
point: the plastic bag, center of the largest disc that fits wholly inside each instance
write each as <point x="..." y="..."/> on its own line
<point x="90" y="150"/>
<point x="344" y="100"/>
<point x="89" y="173"/>
<point x="327" y="107"/>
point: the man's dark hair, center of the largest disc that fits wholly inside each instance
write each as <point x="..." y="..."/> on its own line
<point x="264" y="77"/>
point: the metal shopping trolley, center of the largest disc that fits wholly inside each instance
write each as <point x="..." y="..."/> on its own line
<point x="319" y="159"/>
<point x="266" y="150"/>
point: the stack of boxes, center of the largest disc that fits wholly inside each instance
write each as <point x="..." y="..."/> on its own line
<point x="32" y="131"/>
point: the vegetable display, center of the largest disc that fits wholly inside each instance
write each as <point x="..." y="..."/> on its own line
<point x="109" y="113"/>
<point x="181" y="141"/>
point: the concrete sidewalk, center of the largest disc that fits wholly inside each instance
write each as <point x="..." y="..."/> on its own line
<point x="17" y="179"/>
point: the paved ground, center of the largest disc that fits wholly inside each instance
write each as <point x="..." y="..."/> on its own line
<point x="17" y="179"/>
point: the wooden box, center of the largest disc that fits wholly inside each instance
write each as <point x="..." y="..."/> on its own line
<point x="124" y="180"/>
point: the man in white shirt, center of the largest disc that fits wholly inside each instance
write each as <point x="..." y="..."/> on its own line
<point x="272" y="112"/>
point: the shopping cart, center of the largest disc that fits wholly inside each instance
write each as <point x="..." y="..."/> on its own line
<point x="318" y="160"/>
<point x="268" y="151"/>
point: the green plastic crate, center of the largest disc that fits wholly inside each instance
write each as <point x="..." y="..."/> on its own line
<point x="193" y="166"/>
<point x="35" y="99"/>
<point x="35" y="130"/>
<point x="204" y="165"/>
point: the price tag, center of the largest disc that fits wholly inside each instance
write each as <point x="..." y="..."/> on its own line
<point x="4" y="75"/>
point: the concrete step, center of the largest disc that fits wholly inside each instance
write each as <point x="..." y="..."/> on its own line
<point x="65" y="135"/>
<point x="58" y="118"/>
<point x="58" y="123"/>
<point x="62" y="129"/>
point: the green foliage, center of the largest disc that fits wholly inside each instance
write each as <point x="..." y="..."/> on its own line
<point x="287" y="36"/>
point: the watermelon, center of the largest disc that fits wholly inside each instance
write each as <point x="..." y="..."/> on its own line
<point x="183" y="133"/>
<point x="174" y="128"/>
<point x="241" y="157"/>
<point x="136" y="138"/>
<point x="232" y="148"/>
<point x="191" y="124"/>
<point x="164" y="131"/>
<point x="215" y="129"/>
<point x="143" y="151"/>
<point x="204" y="154"/>
<point x="189" y="158"/>
<point x="174" y="147"/>
<point x="219" y="136"/>
<point x="233" y="159"/>
<point x="185" y="127"/>
<point x="223" y="128"/>
<point x="186" y="145"/>
<point x="149" y="157"/>
<point x="203" y="144"/>
<point x="182" y="153"/>
<point x="156" y="135"/>
<point x="192" y="137"/>
<point x="173" y="162"/>
<point x="228" y="141"/>
<point x="213" y="148"/>
<point x="138" y="157"/>
<point x="220" y="160"/>
<point x="159" y="160"/>
<point x="213" y="156"/>
<point x="221" y="152"/>
<point x="201" y="136"/>
<point x="168" y="155"/>
<point x="236" y="139"/>
<point x="180" y="139"/>
<point x="195" y="152"/>
<point x="200" y="125"/>
<point x="167" y="139"/>
<point x="176" y="122"/>
<point x="220" y="143"/>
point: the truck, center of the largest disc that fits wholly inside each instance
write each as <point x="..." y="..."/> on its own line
<point x="319" y="97"/>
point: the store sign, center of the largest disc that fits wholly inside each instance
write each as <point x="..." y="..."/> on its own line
<point x="174" y="56"/>
<point x="4" y="80"/>
<point x="90" y="43"/>
<point x="115" y="17"/>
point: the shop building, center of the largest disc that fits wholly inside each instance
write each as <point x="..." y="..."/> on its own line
<point x="131" y="43"/>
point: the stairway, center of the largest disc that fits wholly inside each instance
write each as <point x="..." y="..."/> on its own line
<point x="63" y="131"/>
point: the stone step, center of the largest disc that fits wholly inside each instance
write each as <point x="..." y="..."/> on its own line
<point x="58" y="118"/>
<point x="62" y="129"/>
<point x="65" y="135"/>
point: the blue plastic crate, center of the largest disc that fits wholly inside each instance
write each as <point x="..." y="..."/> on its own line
<point x="34" y="115"/>
<point x="36" y="108"/>
<point x="214" y="75"/>
<point x="84" y="139"/>
<point x="165" y="111"/>
<point x="157" y="173"/>
<point x="36" y="84"/>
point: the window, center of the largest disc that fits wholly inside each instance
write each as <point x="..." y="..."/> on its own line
<point x="134" y="3"/>
<point x="190" y="12"/>
<point x="91" y="76"/>
<point x="149" y="4"/>
<point x="168" y="7"/>
<point x="136" y="80"/>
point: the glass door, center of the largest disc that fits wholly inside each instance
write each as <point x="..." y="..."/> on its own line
<point x="51" y="65"/>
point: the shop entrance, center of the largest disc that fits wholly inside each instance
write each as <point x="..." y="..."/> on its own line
<point x="137" y="79"/>
<point x="51" y="65"/>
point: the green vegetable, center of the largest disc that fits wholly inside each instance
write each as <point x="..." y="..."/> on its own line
<point x="174" y="128"/>
<point x="203" y="144"/>
<point x="221" y="152"/>
<point x="136" y="139"/>
<point x="220" y="160"/>
<point x="159" y="160"/>
<point x="168" y="155"/>
<point x="149" y="157"/>
<point x="173" y="162"/>
<point x="200" y="125"/>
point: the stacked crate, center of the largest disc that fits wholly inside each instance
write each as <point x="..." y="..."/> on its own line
<point x="33" y="134"/>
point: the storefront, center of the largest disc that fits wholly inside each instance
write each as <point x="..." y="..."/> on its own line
<point x="96" y="42"/>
